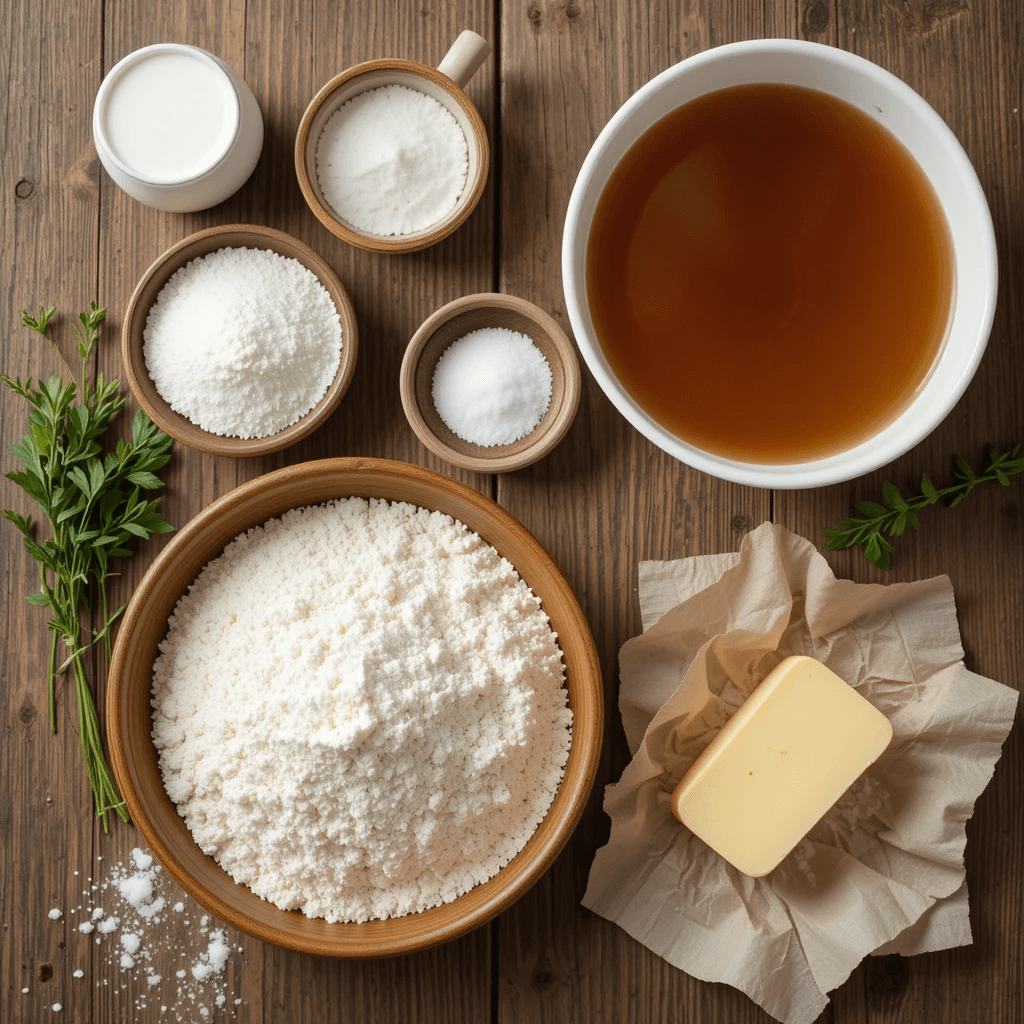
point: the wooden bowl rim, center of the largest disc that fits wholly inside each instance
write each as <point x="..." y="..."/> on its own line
<point x="392" y="243"/>
<point x="491" y="459"/>
<point x="583" y="675"/>
<point x="180" y="427"/>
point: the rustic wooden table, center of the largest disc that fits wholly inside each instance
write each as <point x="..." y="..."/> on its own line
<point x="603" y="501"/>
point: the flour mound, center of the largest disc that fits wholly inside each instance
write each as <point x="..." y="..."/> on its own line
<point x="360" y="710"/>
<point x="243" y="342"/>
<point x="392" y="161"/>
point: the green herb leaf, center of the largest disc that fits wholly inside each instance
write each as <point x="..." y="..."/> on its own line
<point x="81" y="491"/>
<point x="866" y="529"/>
<point x="145" y="479"/>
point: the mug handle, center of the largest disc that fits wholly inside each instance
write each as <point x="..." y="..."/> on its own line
<point x="464" y="58"/>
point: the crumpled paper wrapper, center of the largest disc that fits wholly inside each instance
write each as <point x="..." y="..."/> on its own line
<point x="883" y="871"/>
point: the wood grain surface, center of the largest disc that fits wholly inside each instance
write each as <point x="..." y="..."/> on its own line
<point x="602" y="501"/>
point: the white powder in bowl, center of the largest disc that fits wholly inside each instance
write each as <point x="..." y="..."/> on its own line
<point x="492" y="386"/>
<point x="243" y="342"/>
<point x="392" y="161"/>
<point x="359" y="710"/>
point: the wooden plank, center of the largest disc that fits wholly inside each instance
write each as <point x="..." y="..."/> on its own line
<point x="392" y="296"/>
<point x="961" y="58"/>
<point x="50" y="65"/>
<point x="286" y="53"/>
<point x="132" y="236"/>
<point x="606" y="498"/>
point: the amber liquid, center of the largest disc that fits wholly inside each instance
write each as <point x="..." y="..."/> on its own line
<point x="770" y="274"/>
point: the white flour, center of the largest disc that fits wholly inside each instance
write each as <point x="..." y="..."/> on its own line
<point x="392" y="161"/>
<point x="360" y="710"/>
<point x="243" y="342"/>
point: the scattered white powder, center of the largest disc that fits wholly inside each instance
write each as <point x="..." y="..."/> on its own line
<point x="140" y="890"/>
<point x="392" y="161"/>
<point x="243" y="342"/>
<point x="54" y="914"/>
<point x="214" y="959"/>
<point x="492" y="386"/>
<point x="359" y="710"/>
<point x="24" y="991"/>
<point x="178" y="907"/>
<point x="57" y="1007"/>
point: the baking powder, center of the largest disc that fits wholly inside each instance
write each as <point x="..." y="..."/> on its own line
<point x="392" y="161"/>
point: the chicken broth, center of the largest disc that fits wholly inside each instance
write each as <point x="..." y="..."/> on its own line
<point x="769" y="273"/>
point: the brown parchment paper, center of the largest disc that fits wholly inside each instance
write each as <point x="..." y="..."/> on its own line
<point x="883" y="870"/>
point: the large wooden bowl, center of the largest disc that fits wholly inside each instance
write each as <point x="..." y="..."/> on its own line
<point x="134" y="757"/>
<point x="181" y="428"/>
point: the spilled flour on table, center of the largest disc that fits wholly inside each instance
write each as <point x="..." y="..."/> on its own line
<point x="128" y="915"/>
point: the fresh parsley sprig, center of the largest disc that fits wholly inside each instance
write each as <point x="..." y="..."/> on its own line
<point x="92" y="501"/>
<point x="897" y="513"/>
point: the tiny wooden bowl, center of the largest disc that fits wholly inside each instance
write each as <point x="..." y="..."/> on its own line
<point x="451" y="322"/>
<point x="144" y="626"/>
<point x="375" y="74"/>
<point x="202" y="243"/>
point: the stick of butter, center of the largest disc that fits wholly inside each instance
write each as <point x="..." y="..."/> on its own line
<point x="796" y="744"/>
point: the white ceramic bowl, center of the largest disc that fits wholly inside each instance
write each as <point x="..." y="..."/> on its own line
<point x="924" y="134"/>
<point x="228" y="167"/>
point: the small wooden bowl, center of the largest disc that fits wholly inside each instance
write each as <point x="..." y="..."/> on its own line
<point x="201" y="244"/>
<point x="451" y="322"/>
<point x="144" y="626"/>
<point x="444" y="84"/>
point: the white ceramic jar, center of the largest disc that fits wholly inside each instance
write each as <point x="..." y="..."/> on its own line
<point x="176" y="127"/>
<point x="929" y="141"/>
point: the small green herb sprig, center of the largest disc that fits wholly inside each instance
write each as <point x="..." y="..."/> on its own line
<point x="897" y="513"/>
<point x="93" y="504"/>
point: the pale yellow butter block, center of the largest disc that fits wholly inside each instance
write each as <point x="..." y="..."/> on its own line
<point x="796" y="744"/>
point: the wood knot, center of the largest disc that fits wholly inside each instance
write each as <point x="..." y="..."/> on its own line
<point x="924" y="15"/>
<point x="573" y="10"/>
<point x="739" y="523"/>
<point x="27" y="714"/>
<point x="887" y="978"/>
<point x="44" y="972"/>
<point x="534" y="15"/>
<point x="24" y="188"/>
<point x="84" y="176"/>
<point x="815" y="19"/>
<point x="543" y="977"/>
